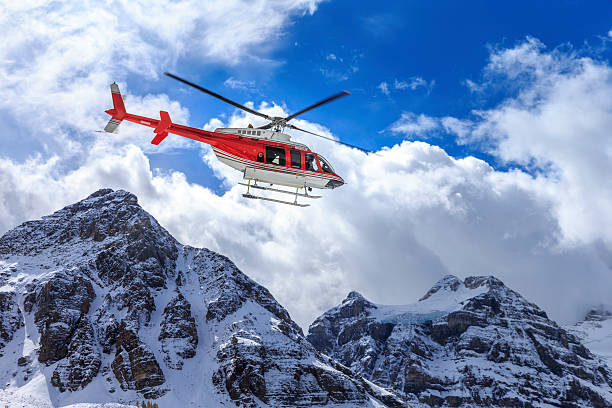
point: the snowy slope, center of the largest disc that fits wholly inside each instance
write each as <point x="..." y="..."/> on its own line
<point x="596" y="333"/>
<point x="100" y="305"/>
<point x="471" y="342"/>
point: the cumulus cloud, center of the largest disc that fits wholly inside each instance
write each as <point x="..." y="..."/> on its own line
<point x="55" y="69"/>
<point x="555" y="123"/>
<point x="411" y="124"/>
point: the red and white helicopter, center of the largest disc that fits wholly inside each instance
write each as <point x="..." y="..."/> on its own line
<point x="264" y="154"/>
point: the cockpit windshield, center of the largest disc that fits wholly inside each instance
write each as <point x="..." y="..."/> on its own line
<point x="325" y="166"/>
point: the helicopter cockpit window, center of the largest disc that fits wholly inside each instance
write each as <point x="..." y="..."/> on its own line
<point x="310" y="163"/>
<point x="275" y="155"/>
<point x="325" y="166"/>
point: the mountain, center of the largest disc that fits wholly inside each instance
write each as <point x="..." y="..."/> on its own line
<point x="99" y="303"/>
<point x="595" y="331"/>
<point x="464" y="343"/>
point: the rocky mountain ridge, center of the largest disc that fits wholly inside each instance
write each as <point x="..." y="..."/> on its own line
<point x="464" y="343"/>
<point x="99" y="303"/>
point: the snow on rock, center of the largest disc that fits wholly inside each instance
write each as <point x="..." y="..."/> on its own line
<point x="101" y="305"/>
<point x="10" y="318"/>
<point x="595" y="331"/>
<point x="83" y="361"/>
<point x="471" y="342"/>
<point x="179" y="337"/>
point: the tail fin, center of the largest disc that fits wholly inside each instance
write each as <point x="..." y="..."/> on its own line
<point x="118" y="112"/>
<point x="161" y="131"/>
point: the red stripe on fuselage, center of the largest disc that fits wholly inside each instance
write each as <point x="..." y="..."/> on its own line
<point x="277" y="168"/>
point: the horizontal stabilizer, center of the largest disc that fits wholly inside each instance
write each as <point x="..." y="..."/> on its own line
<point x="118" y="112"/>
<point x="112" y="125"/>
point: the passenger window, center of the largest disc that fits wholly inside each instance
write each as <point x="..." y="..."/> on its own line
<point x="310" y="162"/>
<point x="259" y="133"/>
<point x="275" y="155"/>
<point x="296" y="159"/>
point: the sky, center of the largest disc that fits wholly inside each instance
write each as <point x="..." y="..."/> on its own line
<point x="490" y="121"/>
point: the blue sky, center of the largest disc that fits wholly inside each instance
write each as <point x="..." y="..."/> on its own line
<point x="344" y="46"/>
<point x="491" y="122"/>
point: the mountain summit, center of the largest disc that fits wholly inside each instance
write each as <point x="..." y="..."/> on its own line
<point x="464" y="343"/>
<point x="99" y="303"/>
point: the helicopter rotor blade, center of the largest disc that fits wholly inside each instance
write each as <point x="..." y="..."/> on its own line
<point x="216" y="95"/>
<point x="268" y="126"/>
<point x="329" y="138"/>
<point x="316" y="105"/>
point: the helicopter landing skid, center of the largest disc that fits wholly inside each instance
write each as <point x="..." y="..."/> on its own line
<point x="277" y="190"/>
<point x="275" y="200"/>
<point x="296" y="194"/>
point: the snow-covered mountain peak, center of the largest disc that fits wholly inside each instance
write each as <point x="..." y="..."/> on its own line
<point x="598" y="314"/>
<point x="353" y="295"/>
<point x="447" y="283"/>
<point x="99" y="303"/>
<point x="470" y="343"/>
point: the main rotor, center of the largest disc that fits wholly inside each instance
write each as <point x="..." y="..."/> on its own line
<point x="276" y="123"/>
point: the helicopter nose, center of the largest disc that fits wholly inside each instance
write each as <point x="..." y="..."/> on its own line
<point x="334" y="183"/>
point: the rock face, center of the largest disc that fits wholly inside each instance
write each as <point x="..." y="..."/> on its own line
<point x="474" y="342"/>
<point x="11" y="318"/>
<point x="178" y="337"/>
<point x="595" y="332"/>
<point x="116" y="310"/>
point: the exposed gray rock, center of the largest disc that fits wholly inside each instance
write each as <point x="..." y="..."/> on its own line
<point x="178" y="336"/>
<point x="61" y="303"/>
<point x="98" y="272"/>
<point x="83" y="361"/>
<point x="490" y="347"/>
<point x="11" y="318"/>
<point x="135" y="366"/>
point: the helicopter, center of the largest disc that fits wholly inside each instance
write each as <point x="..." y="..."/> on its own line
<point x="264" y="154"/>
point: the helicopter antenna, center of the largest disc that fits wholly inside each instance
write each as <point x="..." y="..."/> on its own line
<point x="277" y="123"/>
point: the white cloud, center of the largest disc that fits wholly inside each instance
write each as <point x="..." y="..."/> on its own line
<point x="557" y="122"/>
<point x="234" y="83"/>
<point x="411" y="124"/>
<point x="55" y="69"/>
<point x="413" y="84"/>
<point x="384" y="88"/>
